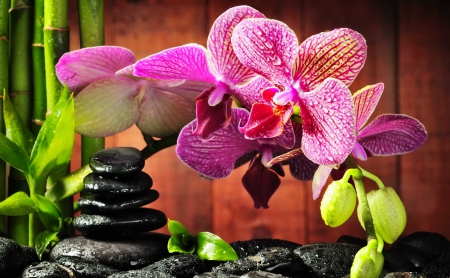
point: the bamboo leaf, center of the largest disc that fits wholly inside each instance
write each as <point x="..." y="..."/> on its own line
<point x="176" y="228"/>
<point x="212" y="247"/>
<point x="43" y="240"/>
<point x="13" y="154"/>
<point x="69" y="185"/>
<point x="17" y="204"/>
<point x="48" y="212"/>
<point x="177" y="244"/>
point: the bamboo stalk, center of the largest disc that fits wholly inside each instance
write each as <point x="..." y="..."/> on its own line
<point x="92" y="33"/>
<point x="4" y="85"/>
<point x="20" y="92"/>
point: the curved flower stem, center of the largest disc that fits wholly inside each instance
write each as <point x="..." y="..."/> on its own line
<point x="154" y="146"/>
<point x="371" y="176"/>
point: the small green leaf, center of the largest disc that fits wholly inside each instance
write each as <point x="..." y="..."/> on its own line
<point x="176" y="244"/>
<point x="69" y="185"/>
<point x="43" y="240"/>
<point x="17" y="204"/>
<point x="176" y="228"/>
<point x="48" y="212"/>
<point x="13" y="154"/>
<point x="212" y="247"/>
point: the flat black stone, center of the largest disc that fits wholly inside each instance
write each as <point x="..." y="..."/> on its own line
<point x="180" y="266"/>
<point x="252" y="247"/>
<point x="103" y="204"/>
<point x="83" y="268"/>
<point x="106" y="186"/>
<point x="13" y="258"/>
<point x="46" y="269"/>
<point x="117" y="161"/>
<point x="124" y="222"/>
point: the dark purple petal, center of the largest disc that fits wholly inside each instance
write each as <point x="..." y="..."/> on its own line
<point x="261" y="183"/>
<point x="365" y="101"/>
<point x="80" y="68"/>
<point x="224" y="62"/>
<point x="182" y="62"/>
<point x="328" y="123"/>
<point x="302" y="168"/>
<point x="251" y="92"/>
<point x="340" y="54"/>
<point x="215" y="158"/>
<point x="286" y="139"/>
<point x="262" y="123"/>
<point x="268" y="47"/>
<point x="392" y="134"/>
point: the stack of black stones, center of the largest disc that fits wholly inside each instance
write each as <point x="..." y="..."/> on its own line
<point x="119" y="189"/>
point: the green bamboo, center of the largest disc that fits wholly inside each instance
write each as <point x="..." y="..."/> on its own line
<point x="40" y="98"/>
<point x="4" y="85"/>
<point x="20" y="91"/>
<point x="92" y="33"/>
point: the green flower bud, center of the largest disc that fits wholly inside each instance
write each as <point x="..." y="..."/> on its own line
<point x="338" y="203"/>
<point x="388" y="213"/>
<point x="368" y="263"/>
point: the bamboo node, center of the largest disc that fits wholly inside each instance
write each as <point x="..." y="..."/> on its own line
<point x="19" y="7"/>
<point x="38" y="121"/>
<point x="51" y="28"/>
<point x="15" y="93"/>
<point x="4" y="38"/>
<point x="37" y="44"/>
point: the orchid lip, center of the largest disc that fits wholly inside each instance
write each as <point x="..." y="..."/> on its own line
<point x="284" y="97"/>
<point x="266" y="152"/>
<point x="217" y="94"/>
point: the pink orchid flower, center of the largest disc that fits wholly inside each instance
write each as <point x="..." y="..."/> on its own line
<point x="313" y="76"/>
<point x="217" y="68"/>
<point x="387" y="134"/>
<point x="109" y="99"/>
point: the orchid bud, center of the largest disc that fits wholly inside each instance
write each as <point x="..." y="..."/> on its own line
<point x="388" y="213"/>
<point x="338" y="203"/>
<point x="368" y="262"/>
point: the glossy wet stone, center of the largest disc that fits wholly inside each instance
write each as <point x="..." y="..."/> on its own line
<point x="141" y="274"/>
<point x="123" y="222"/>
<point x="396" y="262"/>
<point x="119" y="203"/>
<point x="13" y="257"/>
<point x="328" y="259"/>
<point x="109" y="187"/>
<point x="253" y="246"/>
<point x="117" y="161"/>
<point x="47" y="269"/>
<point x="85" y="269"/>
<point x="440" y="267"/>
<point x="123" y="252"/>
<point x="180" y="266"/>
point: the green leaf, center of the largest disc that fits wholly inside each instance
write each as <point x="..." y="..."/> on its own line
<point x="16" y="131"/>
<point x="176" y="228"/>
<point x="212" y="247"/>
<point x="43" y="240"/>
<point x="53" y="148"/>
<point x="14" y="155"/>
<point x="68" y="185"/>
<point x="48" y="212"/>
<point x="177" y="244"/>
<point x="17" y="204"/>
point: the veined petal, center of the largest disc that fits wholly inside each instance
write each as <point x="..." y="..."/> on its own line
<point x="262" y="123"/>
<point x="286" y="139"/>
<point x="328" y="123"/>
<point x="215" y="158"/>
<point x="224" y="63"/>
<point x="319" y="179"/>
<point x="340" y="53"/>
<point x="80" y="68"/>
<point x="251" y="92"/>
<point x="302" y="168"/>
<point x="106" y="107"/>
<point x="365" y="101"/>
<point x="162" y="113"/>
<point x="266" y="46"/>
<point x="392" y="134"/>
<point x="189" y="90"/>
<point x="182" y="62"/>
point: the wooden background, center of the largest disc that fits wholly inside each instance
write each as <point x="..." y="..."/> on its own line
<point x="408" y="50"/>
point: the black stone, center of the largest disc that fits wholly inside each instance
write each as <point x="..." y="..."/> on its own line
<point x="439" y="267"/>
<point x="13" y="257"/>
<point x="110" y="187"/>
<point x="85" y="269"/>
<point x="253" y="246"/>
<point x="124" y="222"/>
<point x="261" y="274"/>
<point x="180" y="266"/>
<point x="123" y="252"/>
<point x="404" y="275"/>
<point x="141" y="274"/>
<point x="47" y="269"/>
<point x="352" y="240"/>
<point x="117" y="161"/>
<point x="396" y="262"/>
<point x="328" y="259"/>
<point x="130" y="201"/>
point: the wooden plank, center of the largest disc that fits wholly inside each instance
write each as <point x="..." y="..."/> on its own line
<point x="375" y="20"/>
<point x="424" y="64"/>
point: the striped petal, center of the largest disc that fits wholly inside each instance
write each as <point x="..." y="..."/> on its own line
<point x="224" y="63"/>
<point x="392" y="134"/>
<point x="268" y="47"/>
<point x="340" y="53"/>
<point x="251" y="92"/>
<point x="328" y="123"/>
<point x="106" y="107"/>
<point x="208" y="157"/>
<point x="79" y="68"/>
<point x="365" y="101"/>
<point x="182" y="62"/>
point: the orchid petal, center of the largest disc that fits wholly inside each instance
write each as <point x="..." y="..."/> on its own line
<point x="302" y="168"/>
<point x="251" y="92"/>
<point x="186" y="89"/>
<point x="80" y="68"/>
<point x="359" y="152"/>
<point x="262" y="123"/>
<point x="106" y="107"/>
<point x="328" y="123"/>
<point x="340" y="53"/>
<point x="208" y="157"/>
<point x="261" y="183"/>
<point x="287" y="138"/>
<point x="365" y="101"/>
<point x="162" y="113"/>
<point x="182" y="62"/>
<point x="224" y="63"/>
<point x="319" y="179"/>
<point x="392" y="134"/>
<point x="268" y="47"/>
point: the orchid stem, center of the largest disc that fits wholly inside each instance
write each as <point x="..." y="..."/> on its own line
<point x="371" y="176"/>
<point x="154" y="146"/>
